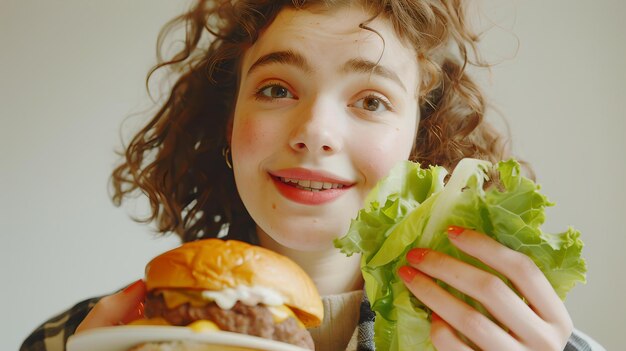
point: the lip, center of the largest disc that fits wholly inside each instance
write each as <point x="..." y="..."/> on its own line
<point x="307" y="197"/>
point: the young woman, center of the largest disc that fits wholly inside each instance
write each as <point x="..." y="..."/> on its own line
<point x="328" y="95"/>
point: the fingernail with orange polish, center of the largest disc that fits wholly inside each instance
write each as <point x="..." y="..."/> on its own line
<point x="407" y="273"/>
<point x="415" y="256"/>
<point x="434" y="317"/>
<point x="454" y="231"/>
<point x="134" y="286"/>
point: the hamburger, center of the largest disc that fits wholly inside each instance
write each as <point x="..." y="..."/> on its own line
<point x="233" y="286"/>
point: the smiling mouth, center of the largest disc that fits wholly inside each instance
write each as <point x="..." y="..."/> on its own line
<point x="309" y="185"/>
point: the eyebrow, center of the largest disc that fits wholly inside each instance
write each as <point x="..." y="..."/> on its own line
<point x="283" y="57"/>
<point x="367" y="66"/>
<point x="292" y="58"/>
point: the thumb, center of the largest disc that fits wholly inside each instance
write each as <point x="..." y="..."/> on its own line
<point x="120" y="308"/>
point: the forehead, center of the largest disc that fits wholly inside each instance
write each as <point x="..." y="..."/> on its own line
<point x="331" y="37"/>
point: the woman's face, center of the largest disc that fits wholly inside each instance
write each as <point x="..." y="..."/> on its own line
<point x="324" y="110"/>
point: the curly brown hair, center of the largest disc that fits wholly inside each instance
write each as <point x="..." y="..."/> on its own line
<point x="176" y="159"/>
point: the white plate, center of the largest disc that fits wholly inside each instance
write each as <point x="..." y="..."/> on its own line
<point x="124" y="337"/>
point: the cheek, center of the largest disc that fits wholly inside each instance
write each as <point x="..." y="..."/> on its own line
<point x="379" y="157"/>
<point x="251" y="136"/>
<point x="247" y="134"/>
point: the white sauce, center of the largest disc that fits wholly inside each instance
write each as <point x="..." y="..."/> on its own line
<point x="249" y="295"/>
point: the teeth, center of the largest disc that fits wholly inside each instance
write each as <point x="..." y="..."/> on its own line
<point x="288" y="180"/>
<point x="311" y="185"/>
<point x="316" y="185"/>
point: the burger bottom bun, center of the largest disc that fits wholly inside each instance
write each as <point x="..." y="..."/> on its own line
<point x="185" y="346"/>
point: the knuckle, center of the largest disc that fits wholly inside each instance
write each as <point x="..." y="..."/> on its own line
<point x="473" y="322"/>
<point x="549" y="344"/>
<point x="523" y="265"/>
<point x="550" y="339"/>
<point x="493" y="286"/>
<point x="568" y="327"/>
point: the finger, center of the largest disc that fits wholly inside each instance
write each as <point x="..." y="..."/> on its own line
<point x="484" y="287"/>
<point x="462" y="317"/>
<point x="517" y="267"/>
<point x="119" y="308"/>
<point x="443" y="336"/>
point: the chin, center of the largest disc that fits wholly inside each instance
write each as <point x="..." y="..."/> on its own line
<point x="301" y="227"/>
<point x="304" y="237"/>
<point x="305" y="243"/>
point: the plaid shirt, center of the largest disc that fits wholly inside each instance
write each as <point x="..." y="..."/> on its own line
<point x="52" y="335"/>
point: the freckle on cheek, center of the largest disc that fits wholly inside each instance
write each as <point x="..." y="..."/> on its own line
<point x="274" y="206"/>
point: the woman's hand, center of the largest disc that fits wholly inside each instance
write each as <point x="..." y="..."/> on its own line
<point x="120" y="308"/>
<point x="544" y="324"/>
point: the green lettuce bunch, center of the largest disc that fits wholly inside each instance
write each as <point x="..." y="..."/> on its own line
<point x="413" y="207"/>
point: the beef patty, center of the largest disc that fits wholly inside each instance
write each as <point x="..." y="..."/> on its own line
<point x="252" y="320"/>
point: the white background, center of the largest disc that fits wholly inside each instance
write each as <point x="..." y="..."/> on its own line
<point x="71" y="71"/>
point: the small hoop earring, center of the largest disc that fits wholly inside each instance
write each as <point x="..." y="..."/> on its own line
<point x="227" y="157"/>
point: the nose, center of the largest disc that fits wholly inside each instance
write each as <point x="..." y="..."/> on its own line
<point x="317" y="129"/>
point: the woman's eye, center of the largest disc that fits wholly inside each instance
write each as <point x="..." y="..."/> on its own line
<point x="373" y="103"/>
<point x="274" y="91"/>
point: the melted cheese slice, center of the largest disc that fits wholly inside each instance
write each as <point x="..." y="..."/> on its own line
<point x="203" y="325"/>
<point x="149" y="321"/>
<point x="198" y="326"/>
<point x="282" y="312"/>
<point x="175" y="298"/>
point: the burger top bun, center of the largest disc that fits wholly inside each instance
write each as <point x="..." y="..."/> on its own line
<point x="214" y="264"/>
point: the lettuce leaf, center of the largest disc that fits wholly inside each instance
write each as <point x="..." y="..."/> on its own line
<point x="413" y="207"/>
